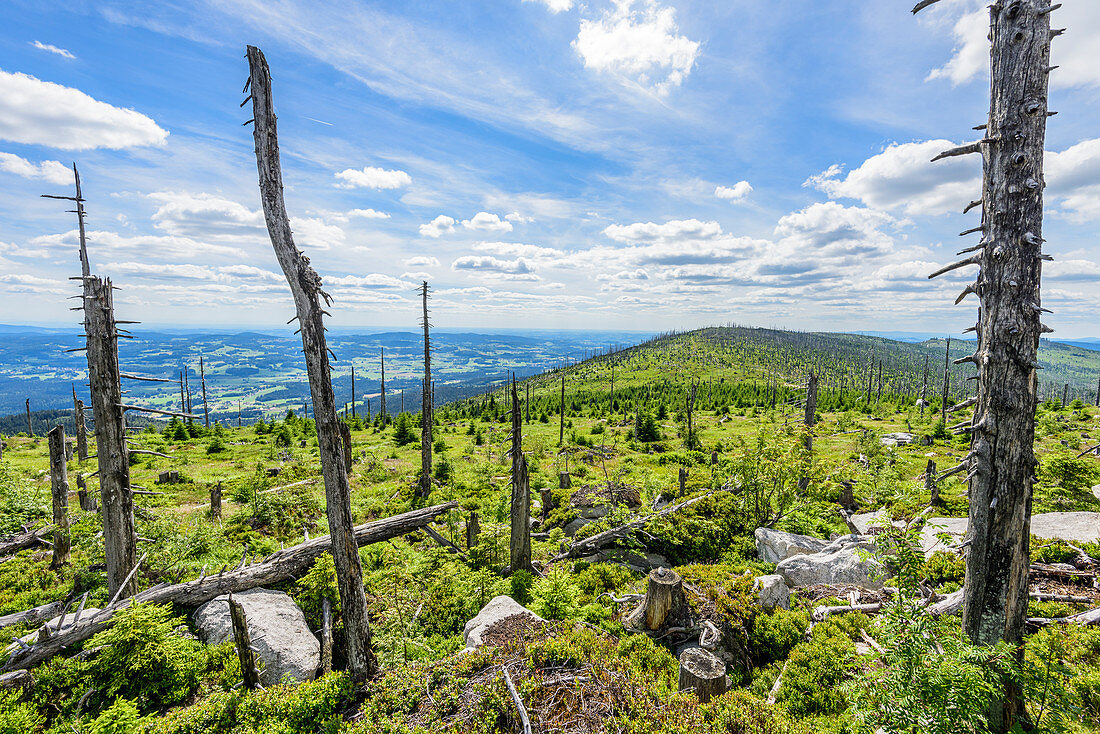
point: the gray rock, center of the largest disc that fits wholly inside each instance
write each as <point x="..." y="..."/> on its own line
<point x="772" y="591"/>
<point x="498" y="608"/>
<point x="278" y="629"/>
<point x="634" y="560"/>
<point x="1096" y="491"/>
<point x="774" y="546"/>
<point x="574" y="525"/>
<point x="897" y="439"/>
<point x="838" y="563"/>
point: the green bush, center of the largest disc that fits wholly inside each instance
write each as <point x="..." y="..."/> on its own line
<point x="555" y="596"/>
<point x="773" y="636"/>
<point x="122" y="717"/>
<point x="944" y="567"/>
<point x="317" y="584"/>
<point x="403" y="433"/>
<point x="18" y="717"/>
<point x="520" y="583"/>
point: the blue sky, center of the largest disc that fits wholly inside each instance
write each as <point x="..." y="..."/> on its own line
<point x="644" y="164"/>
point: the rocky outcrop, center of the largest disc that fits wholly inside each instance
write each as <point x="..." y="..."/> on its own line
<point x="283" y="641"/>
<point x="840" y="562"/>
<point x="773" y="546"/>
<point x="499" y="608"/>
<point x="897" y="439"/>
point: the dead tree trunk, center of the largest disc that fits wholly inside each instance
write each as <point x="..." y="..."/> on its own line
<point x="425" y="486"/>
<point x="473" y="530"/>
<point x="305" y="285"/>
<point x="382" y="396"/>
<point x="30" y="428"/>
<point x="326" y="636"/>
<point x="520" y="542"/>
<point x="353" y="412"/>
<point x="242" y="640"/>
<point x="345" y="443"/>
<point x="1002" y="460"/>
<point x="79" y="428"/>
<point x="112" y="455"/>
<point x="1065" y="395"/>
<point x="59" y="488"/>
<point x="702" y="672"/>
<point x="205" y="405"/>
<point x="931" y="486"/>
<point x="561" y="423"/>
<point x="216" y="502"/>
<point x="946" y="381"/>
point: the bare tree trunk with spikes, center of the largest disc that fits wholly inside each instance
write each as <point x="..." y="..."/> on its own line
<point x="382" y="397"/>
<point x="353" y="414"/>
<point x="1002" y="460"/>
<point x="425" y="486"/>
<point x="112" y="455"/>
<point x="30" y="428"/>
<point x="305" y="285"/>
<point x="520" y="542"/>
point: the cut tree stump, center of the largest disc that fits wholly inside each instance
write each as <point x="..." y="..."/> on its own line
<point x="664" y="601"/>
<point x="702" y="672"/>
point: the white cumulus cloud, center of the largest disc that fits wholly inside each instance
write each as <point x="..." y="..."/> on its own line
<point x="36" y="112"/>
<point x="640" y="41"/>
<point x="368" y="214"/>
<point x="737" y="192"/>
<point x="438" y="227"/>
<point x="52" y="171"/>
<point x="486" y="222"/>
<point x="372" y="178"/>
<point x="421" y="261"/>
<point x="676" y="229"/>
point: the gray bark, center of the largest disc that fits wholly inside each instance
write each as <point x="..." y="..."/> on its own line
<point x="59" y="489"/>
<point x="1002" y="459"/>
<point x="702" y="672"/>
<point x="81" y="429"/>
<point x="205" y="405"/>
<point x="112" y="456"/>
<point x="520" y="540"/>
<point x="242" y="640"/>
<point x="305" y="285"/>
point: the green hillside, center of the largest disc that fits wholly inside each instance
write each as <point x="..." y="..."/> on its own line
<point x="747" y="443"/>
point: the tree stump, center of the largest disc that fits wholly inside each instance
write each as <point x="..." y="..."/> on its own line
<point x="664" y="602"/>
<point x="243" y="642"/>
<point x="564" y="480"/>
<point x="702" y="672"/>
<point x="931" y="485"/>
<point x="216" y="502"/>
<point x="473" y="529"/>
<point x="59" y="488"/>
<point x="683" y="478"/>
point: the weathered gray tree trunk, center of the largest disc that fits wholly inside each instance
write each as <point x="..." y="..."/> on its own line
<point x="205" y="405"/>
<point x="216" y="502"/>
<point x="326" y="636"/>
<point x="81" y="428"/>
<point x="931" y="486"/>
<point x="665" y="603"/>
<point x="305" y="285"/>
<point x="425" y="486"/>
<point x="113" y="457"/>
<point x="520" y="541"/>
<point x="561" y="422"/>
<point x="1002" y="459"/>
<point x="242" y="640"/>
<point x="59" y="489"/>
<point x="382" y="396"/>
<point x="30" y="428"/>
<point x="946" y="381"/>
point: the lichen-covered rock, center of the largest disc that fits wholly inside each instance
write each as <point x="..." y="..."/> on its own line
<point x="498" y="608"/>
<point x="772" y="591"/>
<point x="840" y="562"/>
<point x="283" y="641"/>
<point x="772" y="546"/>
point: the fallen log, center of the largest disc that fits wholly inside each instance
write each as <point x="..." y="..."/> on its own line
<point x="1092" y="616"/>
<point x="32" y="616"/>
<point x="285" y="565"/>
<point x="22" y="541"/>
<point x="593" y="543"/>
<point x="824" y="611"/>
